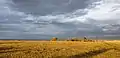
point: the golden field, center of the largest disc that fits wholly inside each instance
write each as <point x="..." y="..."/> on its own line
<point x="59" y="49"/>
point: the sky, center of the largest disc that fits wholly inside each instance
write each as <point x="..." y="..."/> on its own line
<point x="43" y="19"/>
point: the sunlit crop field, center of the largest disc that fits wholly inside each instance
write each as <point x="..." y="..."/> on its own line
<point x="59" y="49"/>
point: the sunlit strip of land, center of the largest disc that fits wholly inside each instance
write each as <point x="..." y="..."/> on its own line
<point x="59" y="49"/>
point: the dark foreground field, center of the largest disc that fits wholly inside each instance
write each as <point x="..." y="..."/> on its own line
<point x="59" y="49"/>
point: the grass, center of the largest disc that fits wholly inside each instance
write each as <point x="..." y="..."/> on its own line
<point x="59" y="49"/>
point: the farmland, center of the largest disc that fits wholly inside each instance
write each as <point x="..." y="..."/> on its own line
<point x="59" y="49"/>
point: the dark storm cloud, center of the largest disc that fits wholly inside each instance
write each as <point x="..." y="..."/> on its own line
<point x="44" y="7"/>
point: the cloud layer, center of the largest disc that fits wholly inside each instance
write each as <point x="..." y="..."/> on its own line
<point x="40" y="19"/>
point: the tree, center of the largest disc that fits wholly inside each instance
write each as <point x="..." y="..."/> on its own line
<point x="54" y="39"/>
<point x="85" y="39"/>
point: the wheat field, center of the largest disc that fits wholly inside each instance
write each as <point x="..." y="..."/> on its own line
<point x="59" y="49"/>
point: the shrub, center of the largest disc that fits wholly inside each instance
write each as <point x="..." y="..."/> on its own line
<point x="74" y="39"/>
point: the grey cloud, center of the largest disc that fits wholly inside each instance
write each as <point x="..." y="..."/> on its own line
<point x="44" y="7"/>
<point x="41" y="19"/>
